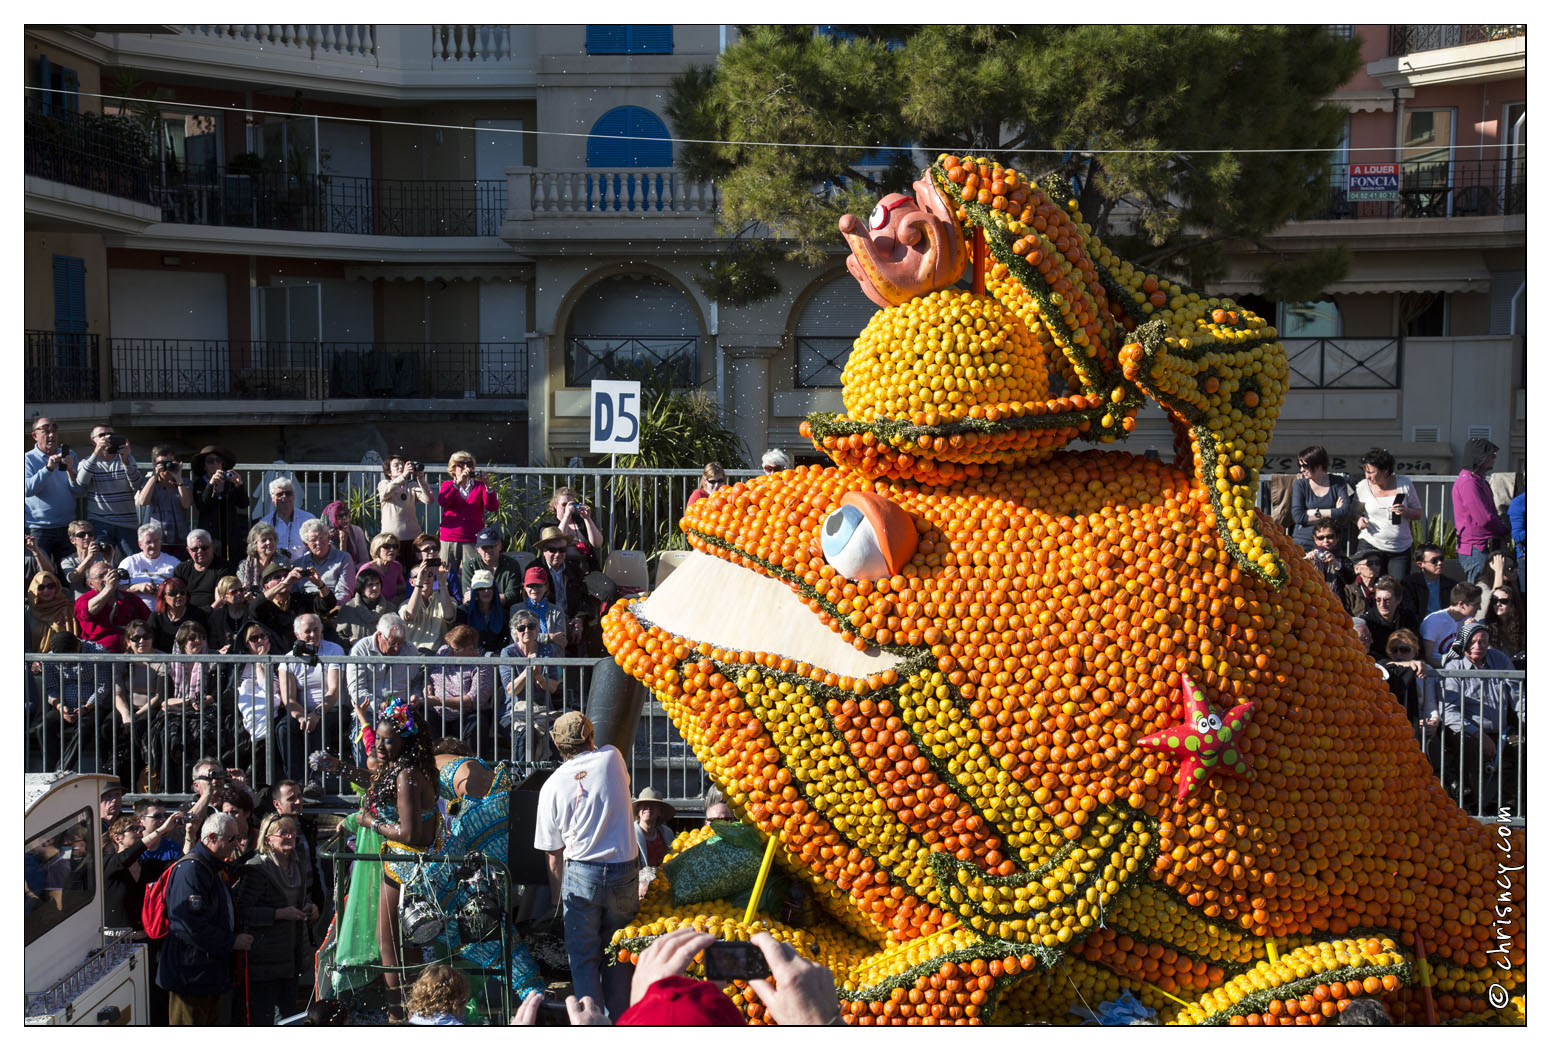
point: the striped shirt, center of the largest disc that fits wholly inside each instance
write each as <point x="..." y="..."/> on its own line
<point x="111" y="486"/>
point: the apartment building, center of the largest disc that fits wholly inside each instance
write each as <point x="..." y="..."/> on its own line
<point x="310" y="241"/>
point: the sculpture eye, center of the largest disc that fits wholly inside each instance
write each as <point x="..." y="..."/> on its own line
<point x="1215" y="722"/>
<point x="879" y="217"/>
<point x="1203" y="724"/>
<point x="867" y="537"/>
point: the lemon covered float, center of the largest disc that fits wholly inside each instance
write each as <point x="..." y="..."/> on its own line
<point x="957" y="676"/>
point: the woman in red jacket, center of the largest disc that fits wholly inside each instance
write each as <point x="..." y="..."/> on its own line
<point x="464" y="500"/>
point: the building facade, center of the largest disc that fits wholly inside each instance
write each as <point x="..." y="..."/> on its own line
<point x="308" y="242"/>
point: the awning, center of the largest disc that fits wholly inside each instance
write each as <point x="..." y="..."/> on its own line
<point x="1388" y="272"/>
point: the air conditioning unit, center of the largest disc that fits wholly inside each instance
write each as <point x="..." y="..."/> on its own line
<point x="1425" y="433"/>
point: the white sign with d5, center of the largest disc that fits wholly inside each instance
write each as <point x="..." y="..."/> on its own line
<point x="615" y="420"/>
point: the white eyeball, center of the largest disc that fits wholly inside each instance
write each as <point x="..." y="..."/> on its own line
<point x="851" y="545"/>
<point x="879" y="217"/>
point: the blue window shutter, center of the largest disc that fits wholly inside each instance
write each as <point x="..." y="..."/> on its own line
<point x="646" y="143"/>
<point x="649" y="40"/>
<point x="69" y="294"/>
<point x="70" y="102"/>
<point x="606" y="40"/>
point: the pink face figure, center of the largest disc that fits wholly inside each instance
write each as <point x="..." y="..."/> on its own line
<point x="907" y="248"/>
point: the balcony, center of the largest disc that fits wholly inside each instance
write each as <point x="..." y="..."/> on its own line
<point x="88" y="170"/>
<point x="308" y="371"/>
<point x="569" y="211"/>
<point x="61" y="366"/>
<point x="272" y="200"/>
<point x="1439" y="189"/>
<point x="1408" y="40"/>
<point x="364" y="61"/>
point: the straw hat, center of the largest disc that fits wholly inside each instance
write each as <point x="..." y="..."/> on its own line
<point x="649" y="797"/>
<point x="553" y="535"/>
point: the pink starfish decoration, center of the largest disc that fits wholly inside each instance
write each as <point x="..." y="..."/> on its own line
<point x="1204" y="741"/>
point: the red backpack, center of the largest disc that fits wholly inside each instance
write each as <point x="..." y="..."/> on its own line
<point x="153" y="912"/>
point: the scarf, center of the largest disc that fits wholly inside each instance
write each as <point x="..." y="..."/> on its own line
<point x="55" y="616"/>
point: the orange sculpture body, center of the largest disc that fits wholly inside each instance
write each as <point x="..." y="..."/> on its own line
<point x="949" y="675"/>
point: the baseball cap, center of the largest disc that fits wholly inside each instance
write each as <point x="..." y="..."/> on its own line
<point x="682" y="1000"/>
<point x="536" y="575"/>
<point x="487" y="537"/>
<point x="482" y="578"/>
<point x="571" y="730"/>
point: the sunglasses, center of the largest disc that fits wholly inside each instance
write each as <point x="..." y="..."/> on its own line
<point x="771" y="468"/>
<point x="199" y="547"/>
<point x="1432" y="561"/>
<point x="48" y="585"/>
<point x="388" y="547"/>
<point x="527" y="627"/>
<point x="140" y="638"/>
<point x="82" y="536"/>
<point x="176" y="594"/>
<point x="1305" y="466"/>
<point x="714" y="482"/>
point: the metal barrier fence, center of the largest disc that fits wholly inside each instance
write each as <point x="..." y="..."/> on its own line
<point x="150" y="719"/>
<point x="147" y="719"/>
<point x="636" y="510"/>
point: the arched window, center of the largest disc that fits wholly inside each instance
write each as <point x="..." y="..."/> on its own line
<point x="633" y="327"/>
<point x="629" y="137"/>
<point x="827" y="327"/>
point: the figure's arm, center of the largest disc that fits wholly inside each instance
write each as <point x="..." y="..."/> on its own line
<point x="555" y="863"/>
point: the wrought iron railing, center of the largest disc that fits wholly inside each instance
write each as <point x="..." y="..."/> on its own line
<point x="1430" y="189"/>
<point x="1406" y="40"/>
<point x="272" y="200"/>
<point x="167" y="368"/>
<point x="630" y="357"/>
<point x="819" y="360"/>
<point x="61" y="366"/>
<point x="105" y="154"/>
<point x="1345" y="364"/>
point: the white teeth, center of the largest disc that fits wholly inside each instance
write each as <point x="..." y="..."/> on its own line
<point x="707" y="599"/>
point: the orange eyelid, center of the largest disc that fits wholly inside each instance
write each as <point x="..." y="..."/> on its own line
<point x="895" y="530"/>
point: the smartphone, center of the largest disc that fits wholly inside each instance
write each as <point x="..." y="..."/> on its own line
<point x="552" y="1011"/>
<point x="432" y="562"/>
<point x="725" y="960"/>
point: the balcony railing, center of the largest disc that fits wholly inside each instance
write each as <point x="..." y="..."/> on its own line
<point x="604" y="192"/>
<point x="228" y="369"/>
<point x="627" y="357"/>
<point x="335" y="204"/>
<point x="1434" y="189"/>
<point x="305" y="41"/>
<point x="1406" y="40"/>
<point x="104" y="154"/>
<point x="1343" y="364"/>
<point x="62" y="366"/>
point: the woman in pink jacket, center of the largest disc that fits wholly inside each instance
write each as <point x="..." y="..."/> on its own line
<point x="464" y="500"/>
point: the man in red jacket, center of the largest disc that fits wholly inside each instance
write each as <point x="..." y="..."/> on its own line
<point x="106" y="611"/>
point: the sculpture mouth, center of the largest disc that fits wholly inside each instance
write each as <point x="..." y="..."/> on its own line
<point x="708" y="599"/>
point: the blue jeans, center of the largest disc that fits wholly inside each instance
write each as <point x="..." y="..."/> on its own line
<point x="599" y="899"/>
<point x="1472" y="564"/>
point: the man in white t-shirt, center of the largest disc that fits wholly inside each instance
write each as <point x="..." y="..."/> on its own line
<point x="152" y="565"/>
<point x="317" y="687"/>
<point x="584" y="823"/>
<point x="1441" y="626"/>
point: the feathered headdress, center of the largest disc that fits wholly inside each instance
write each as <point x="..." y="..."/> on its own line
<point x="397" y="711"/>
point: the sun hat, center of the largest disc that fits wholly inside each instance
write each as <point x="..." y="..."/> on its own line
<point x="571" y="730"/>
<point x="552" y="535"/>
<point x="650" y="797"/>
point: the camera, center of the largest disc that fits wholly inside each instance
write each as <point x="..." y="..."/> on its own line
<point x="116" y="442"/>
<point x="552" y="1011"/>
<point x="434" y="563"/>
<point x="724" y="960"/>
<point x="417" y="466"/>
<point x="308" y="653"/>
<point x="122" y="574"/>
<point x="1499" y="545"/>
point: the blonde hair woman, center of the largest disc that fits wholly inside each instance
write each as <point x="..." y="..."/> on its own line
<point x="274" y="906"/>
<point x="465" y="499"/>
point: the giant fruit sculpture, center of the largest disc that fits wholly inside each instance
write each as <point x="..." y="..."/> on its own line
<point x="1040" y="726"/>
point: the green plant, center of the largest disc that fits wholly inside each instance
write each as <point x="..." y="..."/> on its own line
<point x="365" y="508"/>
<point x="1436" y="530"/>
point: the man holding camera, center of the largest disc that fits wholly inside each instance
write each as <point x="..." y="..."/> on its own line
<point x="222" y="502"/>
<point x="282" y="603"/>
<point x="169" y="497"/>
<point x="430" y="610"/>
<point x="111" y="479"/>
<point x="107" y="610"/>
<point x="318" y="687"/>
<point x="48" y="472"/>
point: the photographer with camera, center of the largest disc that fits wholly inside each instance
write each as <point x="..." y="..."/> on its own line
<point x="111" y="479"/>
<point x="402" y="488"/>
<point x="574" y="520"/>
<point x="48" y="473"/>
<point x="1325" y="556"/>
<point x="232" y="608"/>
<point x="222" y="501"/>
<point x="465" y="499"/>
<point x="335" y="568"/>
<point x="87" y="551"/>
<point x="431" y="608"/>
<point x="169" y="497"/>
<point x="284" y="600"/>
<point x="106" y="611"/>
